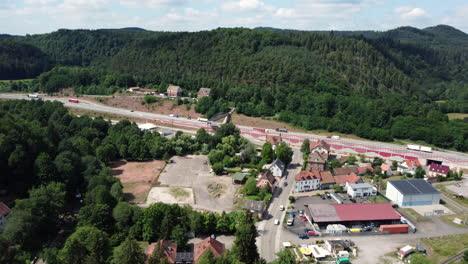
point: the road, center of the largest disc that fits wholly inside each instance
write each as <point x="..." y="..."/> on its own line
<point x="269" y="241"/>
<point x="368" y="148"/>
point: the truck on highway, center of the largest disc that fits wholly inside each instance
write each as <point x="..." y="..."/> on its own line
<point x="280" y="129"/>
<point x="173" y="115"/>
<point x="202" y="119"/>
<point x="73" y="101"/>
<point x="335" y="137"/>
<point x="419" y="148"/>
<point x="33" y="95"/>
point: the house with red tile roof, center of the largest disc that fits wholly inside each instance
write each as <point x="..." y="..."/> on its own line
<point x="321" y="147"/>
<point x="169" y="249"/>
<point x="4" y="212"/>
<point x="408" y="166"/>
<point x="174" y="91"/>
<point x="273" y="140"/>
<point x="317" y="161"/>
<point x="266" y="179"/>
<point x="203" y="92"/>
<point x="386" y="169"/>
<point x="350" y="178"/>
<point x="363" y="170"/>
<point x="345" y="170"/>
<point x="438" y="170"/>
<point x="211" y="244"/>
<point x="326" y="180"/>
<point x="307" y="180"/>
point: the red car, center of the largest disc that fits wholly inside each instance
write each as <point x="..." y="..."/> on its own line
<point x="311" y="233"/>
<point x="304" y="218"/>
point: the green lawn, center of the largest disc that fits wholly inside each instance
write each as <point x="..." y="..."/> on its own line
<point x="448" y="219"/>
<point x="441" y="248"/>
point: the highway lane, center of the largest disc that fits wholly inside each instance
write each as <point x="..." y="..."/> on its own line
<point x="386" y="150"/>
<point x="269" y="241"/>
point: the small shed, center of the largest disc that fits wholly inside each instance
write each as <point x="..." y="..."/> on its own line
<point x="239" y="177"/>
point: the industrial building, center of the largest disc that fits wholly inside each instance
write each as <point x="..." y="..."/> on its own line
<point x="412" y="192"/>
<point x="352" y="214"/>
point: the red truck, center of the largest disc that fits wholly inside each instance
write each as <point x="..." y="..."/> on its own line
<point x="394" y="229"/>
<point x="73" y="101"/>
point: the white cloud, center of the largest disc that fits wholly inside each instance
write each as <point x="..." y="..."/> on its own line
<point x="152" y="3"/>
<point x="409" y="13"/>
<point x="285" y="12"/>
<point x="40" y="2"/>
<point x="246" y="5"/>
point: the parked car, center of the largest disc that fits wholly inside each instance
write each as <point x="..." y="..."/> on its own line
<point x="303" y="236"/>
<point x="281" y="207"/>
<point x="276" y="222"/>
<point x="457" y="184"/>
<point x="307" y="230"/>
<point x="303" y="218"/>
<point x="312" y="233"/>
<point x="290" y="222"/>
<point x="323" y="197"/>
<point x="301" y="212"/>
<point x="285" y="184"/>
<point x="328" y="196"/>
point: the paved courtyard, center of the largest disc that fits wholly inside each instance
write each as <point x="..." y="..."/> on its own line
<point x="426" y="210"/>
<point x="210" y="192"/>
<point x="463" y="189"/>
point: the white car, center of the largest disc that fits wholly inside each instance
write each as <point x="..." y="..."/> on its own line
<point x="281" y="207"/>
<point x="276" y="222"/>
<point x="290" y="221"/>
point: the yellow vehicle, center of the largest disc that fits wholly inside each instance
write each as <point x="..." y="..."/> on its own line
<point x="354" y="230"/>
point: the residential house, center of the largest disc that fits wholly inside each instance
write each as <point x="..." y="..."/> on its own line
<point x="408" y="166"/>
<point x="307" y="181"/>
<point x="319" y="153"/>
<point x="203" y="92"/>
<point x="211" y="244"/>
<point x="4" y="212"/>
<point x="277" y="169"/>
<point x="273" y="140"/>
<point x="436" y="170"/>
<point x="174" y="91"/>
<point x="386" y="169"/>
<point x="254" y="207"/>
<point x="317" y="161"/>
<point x="266" y="179"/>
<point x="345" y="171"/>
<point x="360" y="190"/>
<point x="326" y="180"/>
<point x="334" y="246"/>
<point x="169" y="249"/>
<point x="364" y="169"/>
<point x="350" y="178"/>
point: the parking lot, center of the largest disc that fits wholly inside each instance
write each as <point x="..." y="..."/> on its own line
<point x="459" y="188"/>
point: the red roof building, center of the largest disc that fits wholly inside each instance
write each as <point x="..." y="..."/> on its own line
<point x="4" y="210"/>
<point x="438" y="169"/>
<point x="169" y="249"/>
<point x="306" y="175"/>
<point x="363" y="170"/>
<point x="412" y="163"/>
<point x="350" y="178"/>
<point x="266" y="179"/>
<point x="366" y="212"/>
<point x="345" y="170"/>
<point x="216" y="247"/>
<point x="354" y="212"/>
<point x="320" y="144"/>
<point x="273" y="140"/>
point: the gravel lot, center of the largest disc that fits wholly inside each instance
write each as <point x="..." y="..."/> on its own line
<point x="170" y="195"/>
<point x="194" y="172"/>
<point x="463" y="189"/>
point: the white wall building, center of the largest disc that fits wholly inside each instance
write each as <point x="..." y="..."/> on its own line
<point x="408" y="166"/>
<point x="360" y="190"/>
<point x="307" y="181"/>
<point x="277" y="168"/>
<point x="412" y="192"/>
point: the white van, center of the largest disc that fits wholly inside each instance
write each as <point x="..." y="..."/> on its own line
<point x="281" y="207"/>
<point x="290" y="221"/>
<point x="276" y="222"/>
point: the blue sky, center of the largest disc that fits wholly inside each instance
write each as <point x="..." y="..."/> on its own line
<point x="41" y="16"/>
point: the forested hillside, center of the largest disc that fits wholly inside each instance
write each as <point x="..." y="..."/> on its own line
<point x="21" y="61"/>
<point x="372" y="84"/>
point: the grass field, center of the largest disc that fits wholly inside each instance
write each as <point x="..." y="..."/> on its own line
<point x="448" y="219"/>
<point x="441" y="248"/>
<point x="452" y="116"/>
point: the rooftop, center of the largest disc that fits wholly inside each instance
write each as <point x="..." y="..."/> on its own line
<point x="360" y="185"/>
<point x="352" y="212"/>
<point x="351" y="178"/>
<point x="209" y="243"/>
<point x="443" y="169"/>
<point x="413" y="186"/>
<point x="320" y="143"/>
<point x="257" y="206"/>
<point x="345" y="170"/>
<point x="4" y="210"/>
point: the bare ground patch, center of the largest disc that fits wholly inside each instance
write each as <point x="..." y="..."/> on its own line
<point x="137" y="177"/>
<point x="170" y="195"/>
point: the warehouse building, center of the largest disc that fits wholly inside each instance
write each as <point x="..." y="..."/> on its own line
<point x="412" y="192"/>
<point x="352" y="214"/>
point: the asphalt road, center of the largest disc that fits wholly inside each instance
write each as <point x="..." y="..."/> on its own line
<point x="359" y="146"/>
<point x="269" y="241"/>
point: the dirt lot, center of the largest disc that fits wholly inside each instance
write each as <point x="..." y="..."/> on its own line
<point x="137" y="177"/>
<point x="212" y="193"/>
<point x="170" y="195"/>
<point x="162" y="106"/>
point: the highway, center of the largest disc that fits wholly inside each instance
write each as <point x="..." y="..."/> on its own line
<point x="368" y="148"/>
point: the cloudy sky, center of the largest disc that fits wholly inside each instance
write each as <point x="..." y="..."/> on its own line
<point x="40" y="16"/>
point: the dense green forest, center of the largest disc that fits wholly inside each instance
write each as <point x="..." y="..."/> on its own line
<point x="377" y="85"/>
<point x="70" y="209"/>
